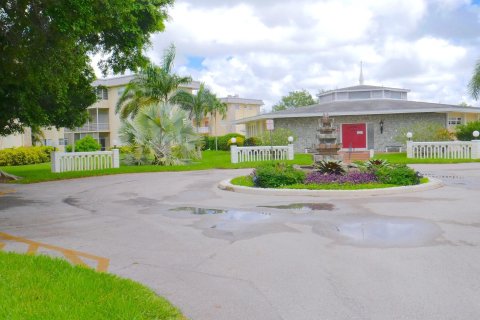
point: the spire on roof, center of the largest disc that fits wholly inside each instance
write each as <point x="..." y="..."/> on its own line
<point x="360" y="79"/>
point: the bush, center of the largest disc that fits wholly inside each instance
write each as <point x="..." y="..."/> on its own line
<point x="464" y="132"/>
<point x="274" y="175"/>
<point x="24" y="155"/>
<point x="372" y="165"/>
<point x="223" y="141"/>
<point x="398" y="175"/>
<point x="239" y="142"/>
<point x="88" y="143"/>
<point x="252" y="142"/>
<point x="279" y="137"/>
<point x="208" y="143"/>
<point x="330" y="167"/>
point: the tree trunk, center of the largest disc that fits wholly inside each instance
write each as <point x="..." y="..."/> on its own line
<point x="216" y="138"/>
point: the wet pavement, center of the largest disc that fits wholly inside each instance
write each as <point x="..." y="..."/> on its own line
<point x="222" y="255"/>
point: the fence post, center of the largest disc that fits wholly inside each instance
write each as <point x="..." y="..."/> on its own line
<point x="409" y="149"/>
<point x="475" y="149"/>
<point x="55" y="160"/>
<point x="234" y="153"/>
<point x="290" y="151"/>
<point x="116" y="158"/>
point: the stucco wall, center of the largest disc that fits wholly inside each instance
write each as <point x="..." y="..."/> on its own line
<point x="305" y="128"/>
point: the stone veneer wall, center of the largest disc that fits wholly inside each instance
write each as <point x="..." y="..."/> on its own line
<point x="306" y="128"/>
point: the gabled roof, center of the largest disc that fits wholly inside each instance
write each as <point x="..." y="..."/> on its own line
<point x="364" y="107"/>
<point x="236" y="99"/>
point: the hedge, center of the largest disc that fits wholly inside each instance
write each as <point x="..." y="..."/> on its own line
<point x="24" y="155"/>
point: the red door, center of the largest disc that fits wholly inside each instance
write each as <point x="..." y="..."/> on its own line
<point x="354" y="135"/>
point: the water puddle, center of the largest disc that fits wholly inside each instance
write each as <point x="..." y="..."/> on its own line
<point x="304" y="206"/>
<point x="226" y="214"/>
<point x="383" y="232"/>
<point x="199" y="211"/>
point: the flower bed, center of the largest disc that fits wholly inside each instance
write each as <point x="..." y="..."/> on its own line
<point x="332" y="175"/>
<point x="316" y="177"/>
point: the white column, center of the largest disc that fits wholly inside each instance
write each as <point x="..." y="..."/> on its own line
<point x="55" y="160"/>
<point x="409" y="149"/>
<point x="475" y="149"/>
<point x="116" y="158"/>
<point x="290" y="151"/>
<point x="234" y="153"/>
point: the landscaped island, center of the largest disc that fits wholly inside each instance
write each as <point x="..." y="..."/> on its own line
<point x="331" y="175"/>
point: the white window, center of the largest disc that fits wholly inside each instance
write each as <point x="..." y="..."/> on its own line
<point x="62" y="141"/>
<point x="102" y="93"/>
<point x="454" y="121"/>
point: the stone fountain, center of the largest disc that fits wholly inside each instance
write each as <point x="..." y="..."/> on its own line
<point x="327" y="148"/>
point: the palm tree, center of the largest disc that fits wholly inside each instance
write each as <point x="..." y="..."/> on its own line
<point x="153" y="84"/>
<point x="195" y="104"/>
<point x="215" y="108"/>
<point x="474" y="84"/>
<point x="160" y="130"/>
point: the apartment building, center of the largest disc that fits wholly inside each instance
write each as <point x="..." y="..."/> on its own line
<point x="103" y="123"/>
<point x="237" y="108"/>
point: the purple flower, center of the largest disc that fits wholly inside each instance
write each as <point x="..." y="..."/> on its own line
<point x="353" y="177"/>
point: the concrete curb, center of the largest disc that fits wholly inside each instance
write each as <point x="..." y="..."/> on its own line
<point x="432" y="184"/>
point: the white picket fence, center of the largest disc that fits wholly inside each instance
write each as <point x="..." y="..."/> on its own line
<point x="261" y="153"/>
<point x="444" y="150"/>
<point x="84" y="161"/>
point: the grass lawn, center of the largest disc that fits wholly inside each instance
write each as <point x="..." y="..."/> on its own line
<point x="210" y="160"/>
<point x="39" y="287"/>
<point x="246" y="181"/>
<point x="402" y="158"/>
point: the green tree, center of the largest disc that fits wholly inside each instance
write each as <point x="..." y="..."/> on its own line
<point x="464" y="132"/>
<point x="86" y="144"/>
<point x="153" y="84"/>
<point x="197" y="105"/>
<point x="216" y="107"/>
<point x="45" y="50"/>
<point x="294" y="99"/>
<point x="277" y="137"/>
<point x="159" y="130"/>
<point x="474" y="84"/>
<point x="424" y="131"/>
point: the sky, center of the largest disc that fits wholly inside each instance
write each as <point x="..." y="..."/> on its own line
<point x="263" y="49"/>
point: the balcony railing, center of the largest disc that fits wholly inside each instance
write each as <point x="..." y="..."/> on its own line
<point x="203" y="130"/>
<point x="91" y="127"/>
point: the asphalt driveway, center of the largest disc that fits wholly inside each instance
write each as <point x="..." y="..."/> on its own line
<point x="222" y="255"/>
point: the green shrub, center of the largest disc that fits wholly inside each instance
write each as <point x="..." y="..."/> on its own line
<point x="398" y="175"/>
<point x="24" y="155"/>
<point x="274" y="175"/>
<point x="240" y="142"/>
<point x="88" y="143"/>
<point x="279" y="137"/>
<point x="330" y="167"/>
<point x="223" y="141"/>
<point x="252" y="142"/>
<point x="372" y="165"/>
<point x="126" y="149"/>
<point x="208" y="143"/>
<point x="464" y="132"/>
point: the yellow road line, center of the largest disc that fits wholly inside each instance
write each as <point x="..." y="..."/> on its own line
<point x="7" y="191"/>
<point x="72" y="255"/>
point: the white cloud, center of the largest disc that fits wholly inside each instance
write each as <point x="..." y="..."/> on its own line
<point x="264" y="49"/>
